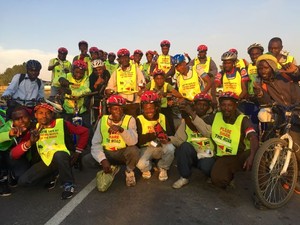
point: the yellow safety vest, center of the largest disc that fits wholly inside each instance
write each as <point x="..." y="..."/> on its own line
<point x="189" y="87"/>
<point x="164" y="101"/>
<point x="233" y="84"/>
<point x="127" y="80"/>
<point x="111" y="67"/>
<point x="205" y="66"/>
<point x="113" y="142"/>
<point x="225" y="135"/>
<point x="51" y="140"/>
<point x="240" y="64"/>
<point x="289" y="59"/>
<point x="252" y="73"/>
<point x="198" y="141"/>
<point x="164" y="63"/>
<point x="58" y="71"/>
<point x="148" y="125"/>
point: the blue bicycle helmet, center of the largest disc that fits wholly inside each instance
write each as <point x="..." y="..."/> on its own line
<point x="33" y="65"/>
<point x="178" y="59"/>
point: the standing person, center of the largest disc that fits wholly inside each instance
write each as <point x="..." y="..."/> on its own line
<point x="114" y="141"/>
<point x="137" y="57"/>
<point x="239" y="63"/>
<point x="84" y="56"/>
<point x="153" y="139"/>
<point x="59" y="66"/>
<point x="94" y="53"/>
<point x="52" y="139"/>
<point x="25" y="89"/>
<point x="76" y="84"/>
<point x="194" y="148"/>
<point x="191" y="82"/>
<point x="276" y="48"/>
<point x="127" y="81"/>
<point x="98" y="81"/>
<point x="110" y="64"/>
<point x="147" y="65"/>
<point x="164" y="61"/>
<point x="232" y="78"/>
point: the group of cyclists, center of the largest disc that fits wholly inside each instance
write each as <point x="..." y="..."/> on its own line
<point x="144" y="114"/>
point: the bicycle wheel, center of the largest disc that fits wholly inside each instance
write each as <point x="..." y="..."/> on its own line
<point x="272" y="189"/>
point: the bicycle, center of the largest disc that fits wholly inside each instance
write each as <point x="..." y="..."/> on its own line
<point x="275" y="168"/>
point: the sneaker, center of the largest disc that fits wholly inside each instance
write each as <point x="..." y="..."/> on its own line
<point x="68" y="191"/>
<point x="163" y="175"/>
<point x="4" y="189"/>
<point x="12" y="181"/>
<point x="130" y="178"/>
<point x="180" y="183"/>
<point x="115" y="170"/>
<point x="52" y="183"/>
<point x="146" y="175"/>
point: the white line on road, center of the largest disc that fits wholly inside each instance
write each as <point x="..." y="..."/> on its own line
<point x="68" y="208"/>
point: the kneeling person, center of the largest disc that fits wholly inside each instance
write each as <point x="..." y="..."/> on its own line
<point x="151" y="126"/>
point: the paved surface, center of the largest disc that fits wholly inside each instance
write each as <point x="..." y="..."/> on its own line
<point x="150" y="202"/>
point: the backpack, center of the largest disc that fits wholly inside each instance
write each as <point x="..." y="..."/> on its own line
<point x="22" y="77"/>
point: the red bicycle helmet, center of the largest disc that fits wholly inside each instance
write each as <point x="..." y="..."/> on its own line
<point x="229" y="95"/>
<point x="158" y="72"/>
<point x="149" y="97"/>
<point x="94" y="50"/>
<point x="202" y="97"/>
<point x="123" y="52"/>
<point x="116" y="100"/>
<point x="233" y="50"/>
<point x="63" y="50"/>
<point x="165" y="43"/>
<point x="79" y="64"/>
<point x="138" y="52"/>
<point x="150" y="52"/>
<point x="202" y="48"/>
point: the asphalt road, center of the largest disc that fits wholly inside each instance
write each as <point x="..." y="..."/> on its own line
<point x="150" y="202"/>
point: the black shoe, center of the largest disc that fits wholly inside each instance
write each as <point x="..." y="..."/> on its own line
<point x="12" y="181"/>
<point x="68" y="191"/>
<point x="4" y="189"/>
<point x="52" y="183"/>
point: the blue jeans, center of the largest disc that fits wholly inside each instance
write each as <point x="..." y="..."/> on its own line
<point x="187" y="158"/>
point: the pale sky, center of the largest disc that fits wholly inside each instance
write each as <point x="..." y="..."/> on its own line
<point x="35" y="29"/>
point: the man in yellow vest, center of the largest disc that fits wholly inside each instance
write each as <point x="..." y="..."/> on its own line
<point x="164" y="61"/>
<point x="190" y="82"/>
<point x="84" y="56"/>
<point x="147" y="65"/>
<point x="114" y="141"/>
<point x="231" y="77"/>
<point x="153" y="131"/>
<point x="59" y="66"/>
<point x="137" y="57"/>
<point x="127" y="80"/>
<point x="194" y="148"/>
<point x="52" y="139"/>
<point x="110" y="63"/>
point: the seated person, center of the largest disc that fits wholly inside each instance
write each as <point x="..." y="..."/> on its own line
<point x="114" y="141"/>
<point x="52" y="140"/>
<point x="153" y="140"/>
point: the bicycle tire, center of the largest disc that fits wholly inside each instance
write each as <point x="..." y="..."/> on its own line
<point x="272" y="189"/>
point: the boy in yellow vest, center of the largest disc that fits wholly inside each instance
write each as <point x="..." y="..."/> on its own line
<point x="114" y="141"/>
<point x="194" y="149"/>
<point x="53" y="142"/>
<point x="153" y="140"/>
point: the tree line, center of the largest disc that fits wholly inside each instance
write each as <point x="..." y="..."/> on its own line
<point x="6" y="77"/>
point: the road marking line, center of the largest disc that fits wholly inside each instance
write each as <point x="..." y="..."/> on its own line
<point x="74" y="202"/>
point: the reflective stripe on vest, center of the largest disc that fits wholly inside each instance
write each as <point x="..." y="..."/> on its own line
<point x="148" y="125"/>
<point x="232" y="84"/>
<point x="189" y="87"/>
<point x="252" y="73"/>
<point x="51" y="141"/>
<point x="113" y="142"/>
<point x="225" y="135"/>
<point x="164" y="63"/>
<point x="205" y="66"/>
<point x="126" y="80"/>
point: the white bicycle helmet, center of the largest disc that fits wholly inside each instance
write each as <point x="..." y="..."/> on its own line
<point x="229" y="56"/>
<point x="97" y="63"/>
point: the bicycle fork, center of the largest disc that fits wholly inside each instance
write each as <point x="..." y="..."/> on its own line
<point x="278" y="149"/>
